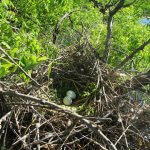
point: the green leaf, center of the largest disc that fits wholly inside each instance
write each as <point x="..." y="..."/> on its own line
<point x="23" y="61"/>
<point x="42" y="58"/>
<point x="6" y="45"/>
<point x="2" y="71"/>
<point x="13" y="52"/>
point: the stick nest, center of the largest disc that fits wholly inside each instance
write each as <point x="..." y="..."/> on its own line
<point x="100" y="100"/>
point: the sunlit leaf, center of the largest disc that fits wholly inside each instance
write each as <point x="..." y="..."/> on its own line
<point x="6" y="45"/>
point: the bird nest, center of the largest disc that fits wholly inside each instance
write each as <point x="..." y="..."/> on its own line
<point x="101" y="117"/>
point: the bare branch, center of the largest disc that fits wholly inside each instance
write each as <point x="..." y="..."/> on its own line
<point x="132" y="54"/>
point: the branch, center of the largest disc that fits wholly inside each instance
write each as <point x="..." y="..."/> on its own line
<point x="57" y="27"/>
<point x="127" y="5"/>
<point x="117" y="8"/>
<point x="109" y="30"/>
<point x="132" y="54"/>
<point x="56" y="31"/>
<point x="61" y="109"/>
<point x="103" y="9"/>
<point x="108" y="39"/>
<point x="12" y="60"/>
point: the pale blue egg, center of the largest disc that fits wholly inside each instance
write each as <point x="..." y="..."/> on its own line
<point x="67" y="100"/>
<point x="71" y="94"/>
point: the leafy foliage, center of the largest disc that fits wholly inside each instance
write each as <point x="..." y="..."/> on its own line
<point x="27" y="27"/>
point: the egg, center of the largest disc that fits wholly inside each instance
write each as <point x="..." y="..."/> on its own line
<point x="67" y="100"/>
<point x="71" y="94"/>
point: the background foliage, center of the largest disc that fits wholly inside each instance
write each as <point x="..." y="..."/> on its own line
<point x="27" y="27"/>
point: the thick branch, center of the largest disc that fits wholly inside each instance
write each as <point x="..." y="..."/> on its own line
<point x="108" y="6"/>
<point x="108" y="39"/>
<point x="109" y="30"/>
<point x="117" y="8"/>
<point x="61" y="109"/>
<point x="132" y="54"/>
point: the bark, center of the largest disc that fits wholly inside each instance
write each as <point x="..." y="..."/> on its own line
<point x="108" y="39"/>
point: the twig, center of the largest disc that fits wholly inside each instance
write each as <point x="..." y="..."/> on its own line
<point x="38" y="133"/>
<point x="123" y="134"/>
<point x="95" y="142"/>
<point x="120" y="119"/>
<point x="4" y="118"/>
